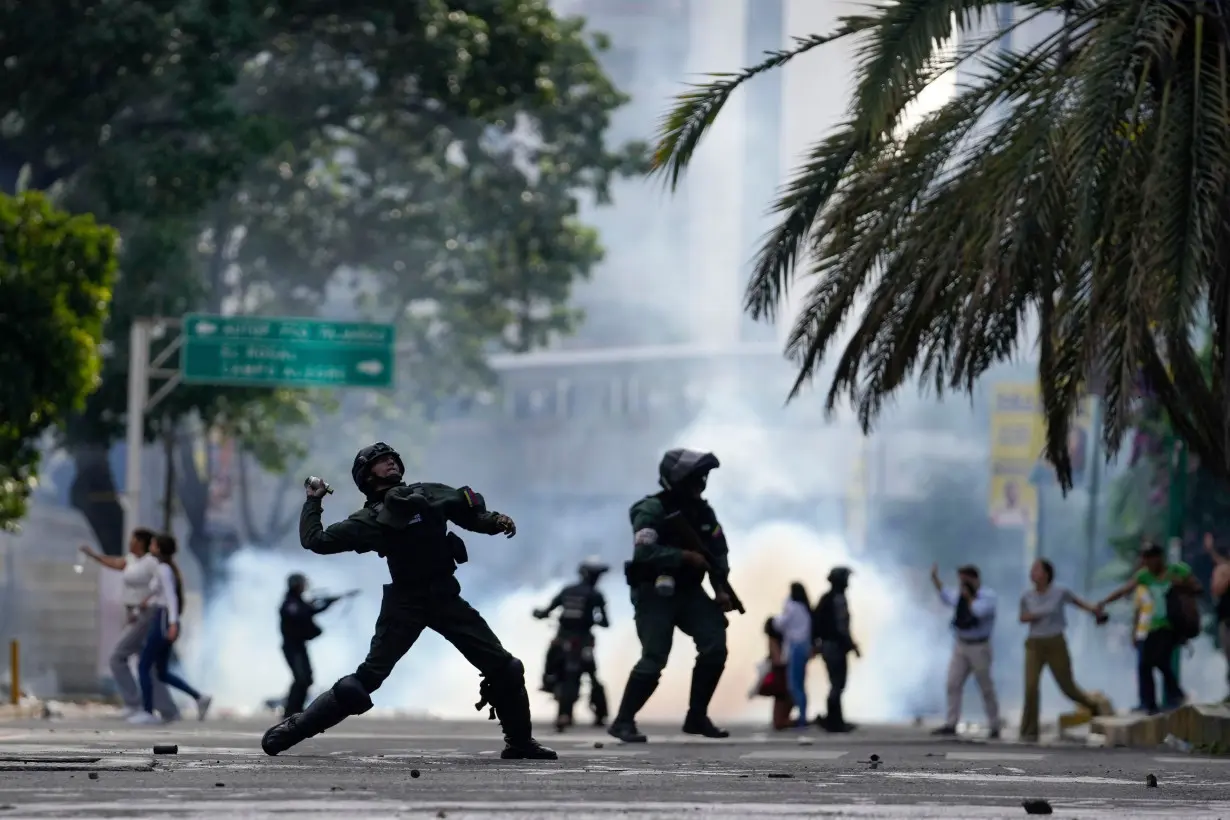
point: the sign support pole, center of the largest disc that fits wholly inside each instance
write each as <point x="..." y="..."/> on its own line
<point x="140" y="402"/>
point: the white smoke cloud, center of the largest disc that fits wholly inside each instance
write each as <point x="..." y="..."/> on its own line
<point x="247" y="666"/>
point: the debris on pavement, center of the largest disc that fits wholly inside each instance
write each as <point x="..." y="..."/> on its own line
<point x="1151" y="781"/>
<point x="1037" y="807"/>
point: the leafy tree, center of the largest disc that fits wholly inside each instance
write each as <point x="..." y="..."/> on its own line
<point x="461" y="229"/>
<point x="55" y="286"/>
<point x="1081" y="180"/>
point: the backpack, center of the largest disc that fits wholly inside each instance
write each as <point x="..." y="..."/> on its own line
<point x="822" y="626"/>
<point x="1183" y="612"/>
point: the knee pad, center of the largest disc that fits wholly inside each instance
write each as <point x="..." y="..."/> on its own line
<point x="712" y="657"/>
<point x="515" y="672"/>
<point x="352" y="696"/>
<point x="648" y="670"/>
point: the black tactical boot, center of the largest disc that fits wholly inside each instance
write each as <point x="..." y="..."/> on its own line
<point x="597" y="703"/>
<point x="705" y="679"/>
<point x="636" y="695"/>
<point x="323" y="713"/>
<point x="835" y="720"/>
<point x="511" y="705"/>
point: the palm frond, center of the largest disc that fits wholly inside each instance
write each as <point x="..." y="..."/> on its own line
<point x="682" y="128"/>
<point x="904" y="54"/>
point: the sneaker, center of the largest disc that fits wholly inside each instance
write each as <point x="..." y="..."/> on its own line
<point x="144" y="719"/>
<point x="202" y="706"/>
<point x="945" y="731"/>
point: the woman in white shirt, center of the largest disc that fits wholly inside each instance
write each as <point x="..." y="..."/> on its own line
<point x="794" y="624"/>
<point x="166" y="595"/>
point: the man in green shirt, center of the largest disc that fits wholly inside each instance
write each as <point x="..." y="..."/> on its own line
<point x="1157" y="652"/>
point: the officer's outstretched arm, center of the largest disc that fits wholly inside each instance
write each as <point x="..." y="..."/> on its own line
<point x="468" y="510"/>
<point x="600" y="606"/>
<point x="648" y="527"/>
<point x="315" y="537"/>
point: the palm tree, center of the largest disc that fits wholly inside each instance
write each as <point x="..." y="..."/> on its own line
<point x="1080" y="182"/>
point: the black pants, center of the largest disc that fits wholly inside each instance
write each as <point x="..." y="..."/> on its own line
<point x="837" y="666"/>
<point x="573" y="660"/>
<point x="405" y="613"/>
<point x="1157" y="652"/>
<point x="300" y="664"/>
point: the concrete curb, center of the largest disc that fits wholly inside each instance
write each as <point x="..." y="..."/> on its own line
<point x="1205" y="726"/>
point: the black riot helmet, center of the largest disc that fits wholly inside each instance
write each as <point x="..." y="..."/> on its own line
<point x="839" y="577"/>
<point x="363" y="462"/>
<point x="681" y="470"/>
<point x="591" y="569"/>
<point x="296" y="583"/>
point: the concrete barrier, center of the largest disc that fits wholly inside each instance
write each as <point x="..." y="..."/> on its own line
<point x="1205" y="726"/>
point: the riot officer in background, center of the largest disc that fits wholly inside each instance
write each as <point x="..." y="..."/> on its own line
<point x="582" y="607"/>
<point x="408" y="527"/>
<point x="677" y="539"/>
<point x="831" y="633"/>
<point x="298" y="617"/>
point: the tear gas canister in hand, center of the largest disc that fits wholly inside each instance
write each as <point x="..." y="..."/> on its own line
<point x="315" y="483"/>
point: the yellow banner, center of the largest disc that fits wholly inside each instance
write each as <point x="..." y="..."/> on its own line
<point x="1018" y="438"/>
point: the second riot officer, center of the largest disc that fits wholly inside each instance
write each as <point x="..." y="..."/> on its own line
<point x="677" y="540"/>
<point x="298" y="617"/>
<point x="408" y="527"/>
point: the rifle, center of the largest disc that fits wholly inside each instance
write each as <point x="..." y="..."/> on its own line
<point x="678" y="526"/>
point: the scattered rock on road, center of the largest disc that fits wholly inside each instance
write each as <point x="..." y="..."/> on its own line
<point x="1037" y="807"/>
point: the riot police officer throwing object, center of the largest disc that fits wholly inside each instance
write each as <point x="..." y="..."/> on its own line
<point x="407" y="525"/>
<point x="677" y="540"/>
<point x="298" y="616"/>
<point x="571" y="654"/>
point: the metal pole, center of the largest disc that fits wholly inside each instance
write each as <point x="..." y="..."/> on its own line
<point x="14" y="672"/>
<point x="168" y="489"/>
<point x="138" y="397"/>
<point x="1095" y="486"/>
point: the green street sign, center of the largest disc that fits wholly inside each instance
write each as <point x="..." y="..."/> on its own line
<point x="286" y="352"/>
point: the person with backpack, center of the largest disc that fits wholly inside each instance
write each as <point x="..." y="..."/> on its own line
<point x="1175" y="620"/>
<point x="831" y="634"/>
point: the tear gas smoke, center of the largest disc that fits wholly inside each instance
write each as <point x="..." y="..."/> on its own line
<point x="899" y="624"/>
<point x="247" y="666"/>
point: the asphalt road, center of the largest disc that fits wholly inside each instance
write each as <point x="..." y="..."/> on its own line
<point x="365" y="769"/>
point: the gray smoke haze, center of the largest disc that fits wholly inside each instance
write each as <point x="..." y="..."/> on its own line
<point x="673" y="274"/>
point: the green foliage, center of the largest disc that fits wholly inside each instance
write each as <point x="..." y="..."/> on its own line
<point x="426" y="156"/>
<point x="55" y="287"/>
<point x="1019" y="197"/>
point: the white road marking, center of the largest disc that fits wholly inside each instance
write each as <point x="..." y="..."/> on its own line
<point x="796" y="754"/>
<point x="984" y="757"/>
<point x="974" y="777"/>
<point x="378" y="809"/>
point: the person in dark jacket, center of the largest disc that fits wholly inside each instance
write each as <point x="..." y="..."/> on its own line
<point x="834" y="644"/>
<point x="298" y="617"/>
<point x="407" y="525"/>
